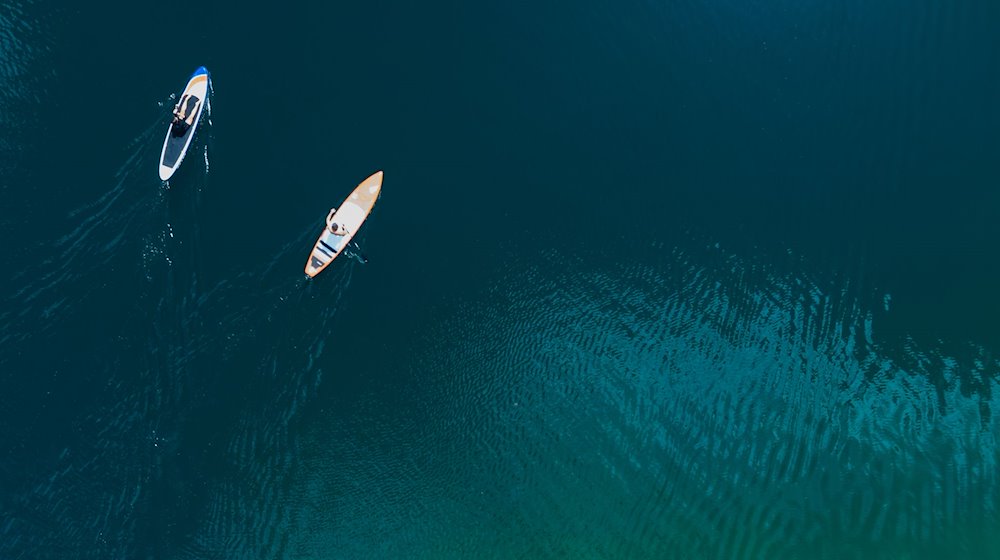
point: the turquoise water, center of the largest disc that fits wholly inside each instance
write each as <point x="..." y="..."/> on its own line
<point x="646" y="280"/>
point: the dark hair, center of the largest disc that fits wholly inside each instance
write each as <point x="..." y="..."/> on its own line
<point x="179" y="128"/>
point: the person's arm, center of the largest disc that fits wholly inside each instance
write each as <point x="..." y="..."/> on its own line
<point x="329" y="217"/>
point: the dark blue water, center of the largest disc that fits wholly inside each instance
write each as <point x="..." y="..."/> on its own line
<point x="646" y="280"/>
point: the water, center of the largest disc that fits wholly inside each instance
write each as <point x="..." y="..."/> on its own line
<point x="647" y="280"/>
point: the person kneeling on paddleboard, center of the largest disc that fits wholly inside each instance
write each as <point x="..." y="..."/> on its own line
<point x="335" y="228"/>
<point x="184" y="113"/>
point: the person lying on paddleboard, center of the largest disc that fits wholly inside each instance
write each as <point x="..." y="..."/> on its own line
<point x="184" y="113"/>
<point x="335" y="228"/>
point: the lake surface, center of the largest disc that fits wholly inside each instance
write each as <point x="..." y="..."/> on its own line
<point x="675" y="279"/>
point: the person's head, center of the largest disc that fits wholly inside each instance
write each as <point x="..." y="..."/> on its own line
<point x="334" y="227"/>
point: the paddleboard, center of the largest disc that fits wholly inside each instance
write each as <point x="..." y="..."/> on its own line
<point x="351" y="214"/>
<point x="176" y="145"/>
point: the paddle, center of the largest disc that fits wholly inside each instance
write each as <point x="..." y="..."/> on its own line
<point x="359" y="256"/>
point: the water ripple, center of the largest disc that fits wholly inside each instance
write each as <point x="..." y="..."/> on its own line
<point x="710" y="407"/>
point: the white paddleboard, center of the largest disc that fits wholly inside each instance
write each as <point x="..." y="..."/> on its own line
<point x="175" y="145"/>
<point x="351" y="214"/>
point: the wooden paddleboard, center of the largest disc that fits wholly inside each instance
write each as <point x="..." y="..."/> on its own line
<point x="351" y="214"/>
<point x="174" y="145"/>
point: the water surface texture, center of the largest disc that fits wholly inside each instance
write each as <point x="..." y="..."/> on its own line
<point x="646" y="280"/>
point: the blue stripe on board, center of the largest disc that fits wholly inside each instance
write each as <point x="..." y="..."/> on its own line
<point x="323" y="243"/>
